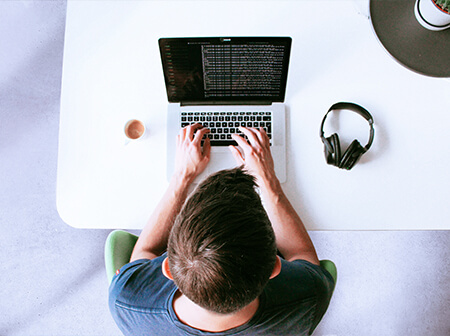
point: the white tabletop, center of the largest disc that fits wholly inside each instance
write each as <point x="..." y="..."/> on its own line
<point x="112" y="73"/>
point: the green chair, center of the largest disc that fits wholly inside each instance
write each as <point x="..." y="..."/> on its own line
<point x="330" y="267"/>
<point x="118" y="248"/>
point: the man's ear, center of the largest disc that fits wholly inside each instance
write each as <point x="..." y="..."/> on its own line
<point x="276" y="268"/>
<point x="166" y="269"/>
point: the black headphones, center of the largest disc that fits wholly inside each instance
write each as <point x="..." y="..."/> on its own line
<point x="332" y="144"/>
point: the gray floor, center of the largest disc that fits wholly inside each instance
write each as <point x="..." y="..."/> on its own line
<point x="53" y="280"/>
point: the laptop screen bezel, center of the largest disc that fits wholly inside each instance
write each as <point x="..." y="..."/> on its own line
<point x="254" y="99"/>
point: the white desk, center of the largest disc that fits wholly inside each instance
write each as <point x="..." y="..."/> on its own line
<point x="112" y="73"/>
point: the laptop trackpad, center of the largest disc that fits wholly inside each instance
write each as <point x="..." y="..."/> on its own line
<point x="221" y="160"/>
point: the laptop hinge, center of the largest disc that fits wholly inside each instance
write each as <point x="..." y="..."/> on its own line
<point x="250" y="102"/>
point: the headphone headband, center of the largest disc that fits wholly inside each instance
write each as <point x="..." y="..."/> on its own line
<point x="355" y="108"/>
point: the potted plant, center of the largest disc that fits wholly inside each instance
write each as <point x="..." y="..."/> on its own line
<point x="433" y="14"/>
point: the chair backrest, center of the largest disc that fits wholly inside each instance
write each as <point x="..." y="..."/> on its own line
<point x="330" y="267"/>
<point x="118" y="248"/>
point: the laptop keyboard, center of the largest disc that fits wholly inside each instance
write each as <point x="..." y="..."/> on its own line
<point x="223" y="124"/>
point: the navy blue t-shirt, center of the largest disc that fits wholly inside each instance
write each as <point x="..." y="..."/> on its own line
<point x="292" y="303"/>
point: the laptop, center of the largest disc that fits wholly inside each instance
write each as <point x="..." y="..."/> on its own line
<point x="224" y="83"/>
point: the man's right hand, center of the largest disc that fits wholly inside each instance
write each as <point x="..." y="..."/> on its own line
<point x="191" y="158"/>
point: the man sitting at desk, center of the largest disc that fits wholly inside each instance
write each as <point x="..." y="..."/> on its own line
<point x="221" y="273"/>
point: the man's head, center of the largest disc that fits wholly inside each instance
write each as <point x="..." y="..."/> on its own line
<point x="222" y="249"/>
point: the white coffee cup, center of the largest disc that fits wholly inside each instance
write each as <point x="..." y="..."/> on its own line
<point x="134" y="130"/>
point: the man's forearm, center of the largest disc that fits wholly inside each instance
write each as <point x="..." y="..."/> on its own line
<point x="190" y="160"/>
<point x="153" y="240"/>
<point x="293" y="240"/>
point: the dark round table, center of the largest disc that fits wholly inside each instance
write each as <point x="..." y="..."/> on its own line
<point x="415" y="47"/>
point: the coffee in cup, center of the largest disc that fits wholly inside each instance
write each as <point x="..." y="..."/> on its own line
<point x="134" y="129"/>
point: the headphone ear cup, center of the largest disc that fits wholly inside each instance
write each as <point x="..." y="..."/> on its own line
<point x="351" y="155"/>
<point x="332" y="149"/>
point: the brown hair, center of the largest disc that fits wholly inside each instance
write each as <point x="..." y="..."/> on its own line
<point x="222" y="248"/>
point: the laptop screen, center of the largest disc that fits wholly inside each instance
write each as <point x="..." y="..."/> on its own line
<point x="234" y="69"/>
